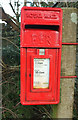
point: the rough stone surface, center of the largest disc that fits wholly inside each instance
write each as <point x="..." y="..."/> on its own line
<point x="65" y="107"/>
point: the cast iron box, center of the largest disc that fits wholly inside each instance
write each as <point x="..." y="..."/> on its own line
<point x="41" y="43"/>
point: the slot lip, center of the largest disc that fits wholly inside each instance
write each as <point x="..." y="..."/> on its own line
<point x="39" y="15"/>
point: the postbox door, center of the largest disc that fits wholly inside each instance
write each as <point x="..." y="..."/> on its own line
<point x="41" y="74"/>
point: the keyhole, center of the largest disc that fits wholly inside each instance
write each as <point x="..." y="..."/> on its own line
<point x="29" y="75"/>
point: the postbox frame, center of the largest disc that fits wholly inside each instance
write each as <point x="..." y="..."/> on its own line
<point x="23" y="52"/>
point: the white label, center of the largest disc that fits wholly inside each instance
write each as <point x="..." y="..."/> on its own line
<point x="41" y="73"/>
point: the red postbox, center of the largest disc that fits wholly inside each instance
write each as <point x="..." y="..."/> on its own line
<point x="41" y="43"/>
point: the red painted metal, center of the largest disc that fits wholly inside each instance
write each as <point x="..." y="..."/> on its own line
<point x="41" y="28"/>
<point x="69" y="43"/>
<point x="68" y="76"/>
